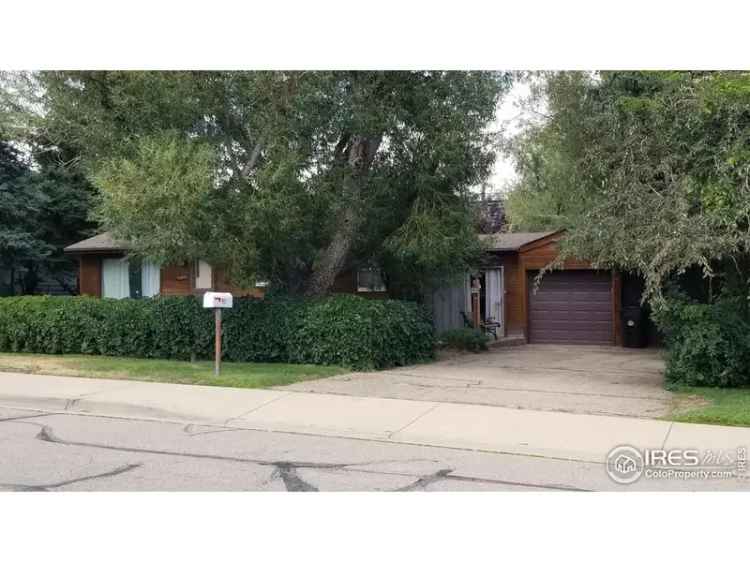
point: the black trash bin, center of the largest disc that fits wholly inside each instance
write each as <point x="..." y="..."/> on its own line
<point x="634" y="326"/>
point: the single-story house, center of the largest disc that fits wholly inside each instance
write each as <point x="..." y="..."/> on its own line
<point x="577" y="304"/>
<point x="105" y="271"/>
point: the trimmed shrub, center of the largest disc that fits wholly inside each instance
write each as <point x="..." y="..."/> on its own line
<point x="707" y="344"/>
<point x="465" y="339"/>
<point x="342" y="330"/>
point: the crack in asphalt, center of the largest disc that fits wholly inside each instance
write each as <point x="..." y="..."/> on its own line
<point x="561" y="487"/>
<point x="46" y="434"/>
<point x="48" y="487"/>
<point x="192" y="430"/>
<point x="447" y="474"/>
<point x="287" y="470"/>
<point x="24" y="417"/>
<point x="423" y="481"/>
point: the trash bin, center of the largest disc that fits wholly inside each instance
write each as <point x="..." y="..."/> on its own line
<point x="634" y="326"/>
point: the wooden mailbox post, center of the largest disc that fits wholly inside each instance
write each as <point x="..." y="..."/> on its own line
<point x="217" y="301"/>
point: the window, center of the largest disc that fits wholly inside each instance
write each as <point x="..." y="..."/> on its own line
<point x="203" y="275"/>
<point x="370" y="280"/>
<point x="150" y="279"/>
<point x="115" y="278"/>
<point x="122" y="279"/>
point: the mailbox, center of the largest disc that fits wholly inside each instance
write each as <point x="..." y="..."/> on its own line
<point x="217" y="300"/>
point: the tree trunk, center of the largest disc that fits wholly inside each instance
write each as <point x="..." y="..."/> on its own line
<point x="30" y="280"/>
<point x="359" y="153"/>
<point x="333" y="258"/>
<point x="12" y="281"/>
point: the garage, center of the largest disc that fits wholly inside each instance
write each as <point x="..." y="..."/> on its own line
<point x="571" y="307"/>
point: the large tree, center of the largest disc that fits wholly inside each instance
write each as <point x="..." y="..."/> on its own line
<point x="662" y="162"/>
<point x="549" y="191"/>
<point x="45" y="199"/>
<point x="288" y="176"/>
<point x="42" y="209"/>
<point x="18" y="199"/>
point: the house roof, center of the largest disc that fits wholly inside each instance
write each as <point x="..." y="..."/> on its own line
<point x="513" y="241"/>
<point x="100" y="243"/>
<point x="499" y="242"/>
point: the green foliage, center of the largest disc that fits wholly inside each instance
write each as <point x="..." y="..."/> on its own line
<point x="21" y="203"/>
<point x="435" y="243"/>
<point x="344" y="330"/>
<point x="296" y="159"/>
<point x="549" y="191"/>
<point x="708" y="344"/>
<point x="239" y="375"/>
<point x="721" y="406"/>
<point x="465" y="339"/>
<point x="44" y="206"/>
<point x="160" y="198"/>
<point x="657" y="166"/>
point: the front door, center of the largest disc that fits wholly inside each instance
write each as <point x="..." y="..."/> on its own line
<point x="493" y="291"/>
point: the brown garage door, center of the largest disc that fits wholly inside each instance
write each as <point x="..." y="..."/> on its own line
<point x="571" y="307"/>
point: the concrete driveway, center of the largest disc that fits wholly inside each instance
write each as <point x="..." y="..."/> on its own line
<point x="567" y="378"/>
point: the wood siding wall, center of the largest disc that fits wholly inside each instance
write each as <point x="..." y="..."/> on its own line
<point x="176" y="280"/>
<point x="90" y="276"/>
<point x="513" y="297"/>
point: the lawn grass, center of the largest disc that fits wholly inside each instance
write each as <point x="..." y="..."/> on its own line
<point x="720" y="406"/>
<point x="239" y="375"/>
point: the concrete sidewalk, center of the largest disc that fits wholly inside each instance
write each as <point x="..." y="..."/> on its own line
<point x="464" y="426"/>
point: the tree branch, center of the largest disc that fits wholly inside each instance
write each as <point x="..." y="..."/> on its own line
<point x="253" y="161"/>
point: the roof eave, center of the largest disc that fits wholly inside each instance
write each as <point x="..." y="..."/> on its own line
<point x="525" y="246"/>
<point x="74" y="251"/>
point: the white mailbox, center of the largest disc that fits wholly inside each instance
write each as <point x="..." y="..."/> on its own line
<point x="217" y="300"/>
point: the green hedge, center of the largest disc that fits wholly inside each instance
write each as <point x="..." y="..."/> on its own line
<point x="341" y="330"/>
<point x="464" y="339"/>
<point x="707" y="344"/>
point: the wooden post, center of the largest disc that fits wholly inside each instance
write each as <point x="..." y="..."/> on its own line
<point x="475" y="289"/>
<point x="217" y="350"/>
<point x="475" y="310"/>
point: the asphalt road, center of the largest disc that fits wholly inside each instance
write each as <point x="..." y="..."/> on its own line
<point x="64" y="452"/>
<point x="74" y="452"/>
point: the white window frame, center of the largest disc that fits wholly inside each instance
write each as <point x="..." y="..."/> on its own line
<point x="115" y="284"/>
<point x="150" y="278"/>
<point x="203" y="275"/>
